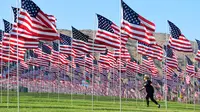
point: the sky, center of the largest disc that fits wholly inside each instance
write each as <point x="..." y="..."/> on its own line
<point x="82" y="13"/>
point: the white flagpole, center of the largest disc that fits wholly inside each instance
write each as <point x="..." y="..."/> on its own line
<point x="120" y="75"/>
<point x="165" y="74"/>
<point x="8" y="78"/>
<point x="71" y="73"/>
<point x="137" y="72"/>
<point x="1" y="68"/>
<point x="18" y="1"/>
<point x="93" y="65"/>
<point x="194" y="78"/>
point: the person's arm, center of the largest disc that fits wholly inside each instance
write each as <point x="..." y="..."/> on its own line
<point x="141" y="88"/>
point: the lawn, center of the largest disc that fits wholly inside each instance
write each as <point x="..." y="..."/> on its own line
<point x="44" y="102"/>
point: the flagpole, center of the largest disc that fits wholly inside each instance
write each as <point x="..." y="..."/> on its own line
<point x="71" y="73"/>
<point x="94" y="36"/>
<point x="137" y="72"/>
<point x="165" y="67"/>
<point x="59" y="64"/>
<point x="8" y="83"/>
<point x="185" y="79"/>
<point x="193" y="79"/>
<point x="120" y="83"/>
<point x="18" y="1"/>
<point x="1" y="67"/>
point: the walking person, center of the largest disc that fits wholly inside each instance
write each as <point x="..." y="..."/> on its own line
<point x="150" y="91"/>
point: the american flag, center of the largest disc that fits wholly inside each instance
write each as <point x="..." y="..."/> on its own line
<point x="180" y="73"/>
<point x="57" y="57"/>
<point x="8" y="50"/>
<point x="44" y="52"/>
<point x="89" y="62"/>
<point x="177" y="40"/>
<point x="29" y="26"/>
<point x="133" y="66"/>
<point x="149" y="63"/>
<point x="136" y="26"/>
<point x="80" y="61"/>
<point x="106" y="34"/>
<point x="198" y="52"/>
<point x="104" y="60"/>
<point x="123" y="53"/>
<point x="190" y="67"/>
<point x="36" y="12"/>
<point x="171" y="59"/>
<point x="16" y="39"/>
<point x="65" y="44"/>
<point x="154" y="51"/>
<point x="37" y="58"/>
<point x="83" y="43"/>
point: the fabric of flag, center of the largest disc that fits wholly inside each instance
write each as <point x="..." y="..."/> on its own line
<point x="106" y="34"/>
<point x="44" y="52"/>
<point x="171" y="59"/>
<point x="36" y="12"/>
<point x="82" y="43"/>
<point x="154" y="51"/>
<point x="104" y="60"/>
<point x="136" y="26"/>
<point x="57" y="57"/>
<point x="8" y="51"/>
<point x="132" y="66"/>
<point x="65" y="44"/>
<point x="177" y="40"/>
<point x="149" y="64"/>
<point x="31" y="27"/>
<point x="190" y="67"/>
<point x="198" y="51"/>
<point x="15" y="38"/>
<point x="123" y="53"/>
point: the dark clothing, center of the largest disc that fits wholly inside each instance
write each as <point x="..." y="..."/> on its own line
<point x="152" y="99"/>
<point x="149" y="87"/>
<point x="150" y="91"/>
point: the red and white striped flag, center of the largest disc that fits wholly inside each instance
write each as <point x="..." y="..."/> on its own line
<point x="136" y="26"/>
<point x="177" y="40"/>
<point x="108" y="33"/>
<point x="154" y="51"/>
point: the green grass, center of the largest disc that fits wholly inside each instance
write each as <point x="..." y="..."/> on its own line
<point x="44" y="102"/>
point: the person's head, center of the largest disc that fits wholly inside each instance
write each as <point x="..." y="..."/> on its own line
<point x="146" y="77"/>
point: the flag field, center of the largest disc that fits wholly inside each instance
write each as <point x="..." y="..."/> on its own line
<point x="44" y="102"/>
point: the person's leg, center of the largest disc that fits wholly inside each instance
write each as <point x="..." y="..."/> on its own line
<point x="147" y="100"/>
<point x="153" y="100"/>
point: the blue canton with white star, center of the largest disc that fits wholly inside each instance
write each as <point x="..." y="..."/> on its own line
<point x="130" y="15"/>
<point x="174" y="30"/>
<point x="15" y="11"/>
<point x="55" y="46"/>
<point x="30" y="7"/>
<point x="79" y="35"/>
<point x="65" y="40"/>
<point x="104" y="23"/>
<point x="7" y="26"/>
